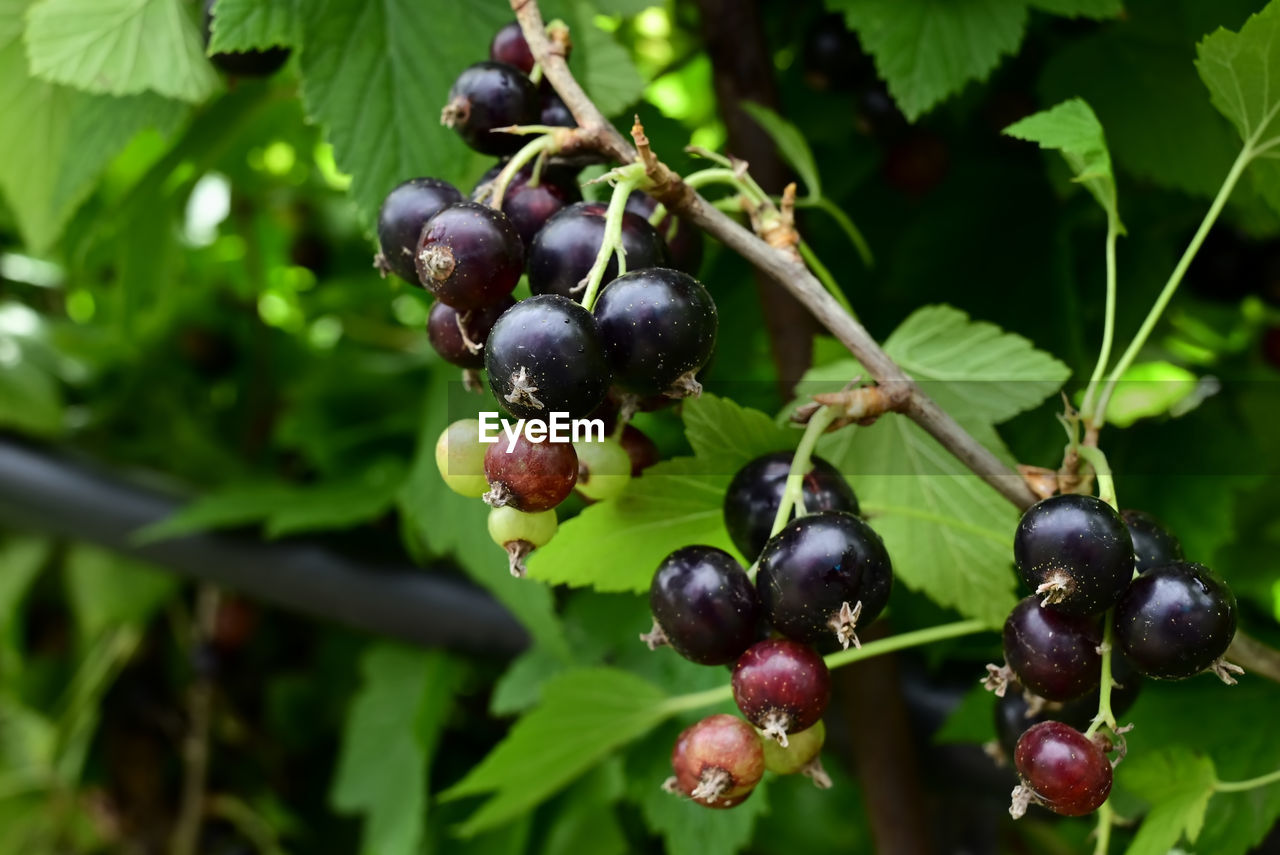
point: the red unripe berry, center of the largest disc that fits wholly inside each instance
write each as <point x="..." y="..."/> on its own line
<point x="1062" y="769"/>
<point x="532" y="476"/>
<point x="781" y="686"/>
<point x="717" y="761"/>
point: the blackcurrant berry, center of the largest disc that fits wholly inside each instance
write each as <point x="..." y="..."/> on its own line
<point x="401" y="218"/>
<point x="822" y="576"/>
<point x="459" y="336"/>
<point x="781" y="686"/>
<point x="684" y="240"/>
<point x="1075" y="552"/>
<point x="509" y="46"/>
<point x="1153" y="544"/>
<point x="641" y="450"/>
<point x="491" y="95"/>
<point x="249" y="63"/>
<point x="544" y="356"/>
<point x="1055" y="655"/>
<point x="1175" y="621"/>
<point x="754" y="494"/>
<point x="529" y="206"/>
<point x="564" y="251"/>
<point x="658" y="326"/>
<point x="555" y="112"/>
<point x="469" y="256"/>
<point x="717" y="762"/>
<point x="801" y="754"/>
<point x="530" y="476"/>
<point x="520" y="533"/>
<point x="1062" y="769"/>
<point x="460" y="458"/>
<point x="604" y="469"/>
<point x="705" y="605"/>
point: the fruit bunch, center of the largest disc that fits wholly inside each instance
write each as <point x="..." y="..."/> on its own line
<point x="641" y="331"/>
<point x="816" y="578"/>
<point x="1114" y="601"/>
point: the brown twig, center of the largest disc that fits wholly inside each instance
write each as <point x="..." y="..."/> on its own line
<point x="782" y="267"/>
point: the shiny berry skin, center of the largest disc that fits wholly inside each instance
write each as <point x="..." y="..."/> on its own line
<point x="1153" y="544"/>
<point x="1075" y="552"/>
<point x="544" y="355"/>
<point x="705" y="604"/>
<point x="445" y="334"/>
<point x="460" y="458"/>
<point x="469" y="256"/>
<point x="781" y="686"/>
<point x="1055" y="655"/>
<point x="683" y="239"/>
<point x="658" y="326"/>
<point x="491" y="95"/>
<point x="400" y="220"/>
<point x="520" y="533"/>
<point x="555" y="112"/>
<point x="509" y="46"/>
<point x="1064" y="770"/>
<point x="814" y="567"/>
<point x="563" y="252"/>
<point x="641" y="450"/>
<point x="752" y="500"/>
<point x="249" y="63"/>
<point x="528" y="207"/>
<point x="1175" y="621"/>
<point x="802" y="749"/>
<point x="529" y="476"/>
<point x="718" y="761"/>
<point x="604" y="469"/>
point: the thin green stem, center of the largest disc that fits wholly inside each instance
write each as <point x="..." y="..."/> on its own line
<point x="528" y="152"/>
<point x="800" y="464"/>
<point x="1106" y="818"/>
<point x="628" y="178"/>
<point x="1109" y="324"/>
<point x="846" y="225"/>
<point x="1250" y="784"/>
<point x="824" y="276"/>
<point x="1106" y="482"/>
<point x="1098" y="418"/>
<point x="1106" y="682"/>
<point x="728" y="177"/>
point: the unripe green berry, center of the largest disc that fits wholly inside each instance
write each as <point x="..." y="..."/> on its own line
<point x="604" y="469"/>
<point x="520" y="533"/>
<point x="800" y="751"/>
<point x="460" y="458"/>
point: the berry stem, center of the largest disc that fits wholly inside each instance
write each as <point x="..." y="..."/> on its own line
<point x="824" y="276"/>
<point x="1106" y="818"/>
<point x="1102" y="469"/>
<point x="531" y="149"/>
<point x="1106" y="681"/>
<point x="627" y="179"/>
<point x="1109" y="324"/>
<point x="1250" y="784"/>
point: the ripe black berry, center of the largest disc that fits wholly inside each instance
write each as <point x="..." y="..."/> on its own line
<point x="530" y="476"/>
<point x="510" y="47"/>
<point x="249" y="63"/>
<point x="781" y="686"/>
<point x="529" y="206"/>
<point x="1062" y="769"/>
<point x="459" y="337"/>
<point x="563" y="252"/>
<point x="543" y="356"/>
<point x="754" y="494"/>
<point x="659" y="328"/>
<point x="555" y="112"/>
<point x="683" y="239"/>
<point x="705" y="605"/>
<point x="469" y="256"/>
<point x="822" y="576"/>
<point x="1075" y="552"/>
<point x="401" y="218"/>
<point x="1153" y="544"/>
<point x="717" y="761"/>
<point x="491" y="95"/>
<point x="1055" y="655"/>
<point x="1175" y="621"/>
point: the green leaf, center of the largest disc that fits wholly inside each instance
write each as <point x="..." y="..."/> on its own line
<point x="1149" y="389"/>
<point x="585" y="714"/>
<point x="1072" y="129"/>
<point x="970" y="721"/>
<point x="1097" y="9"/>
<point x="604" y="67"/>
<point x="790" y="142"/>
<point x="587" y="821"/>
<point x="107" y="590"/>
<point x="726" y="435"/>
<point x="927" y="50"/>
<point x="240" y="25"/>
<point x="120" y="47"/>
<point x="30" y="398"/>
<point x="1178" y="784"/>
<point x="389" y="739"/>
<point x="520" y="686"/>
<point x="1242" y="73"/>
<point x="376" y="73"/>
<point x="21" y="558"/>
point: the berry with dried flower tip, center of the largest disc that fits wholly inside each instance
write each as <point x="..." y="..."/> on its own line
<point x="1060" y="768"/>
<point x="469" y="256"/>
<point x="1055" y="655"/>
<point x="822" y="577"/>
<point x="520" y="533"/>
<point x="459" y="336"/>
<point x="781" y="686"/>
<point x="530" y="476"/>
<point x="564" y="251"/>
<point x="1015" y="712"/>
<point x="754" y="494"/>
<point x="1153" y="544"/>
<point x="801" y="754"/>
<point x="1177" y="620"/>
<point x="604" y="468"/>
<point x="400" y="220"/>
<point x="460" y="458"/>
<point x="704" y="605"/>
<point x="1074" y="552"/>
<point x="717" y="762"/>
<point x="491" y="95"/>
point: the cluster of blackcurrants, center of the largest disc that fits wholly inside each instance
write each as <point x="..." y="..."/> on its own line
<point x="642" y="343"/>
<point x="1086" y="563"/>
<point x="816" y="580"/>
